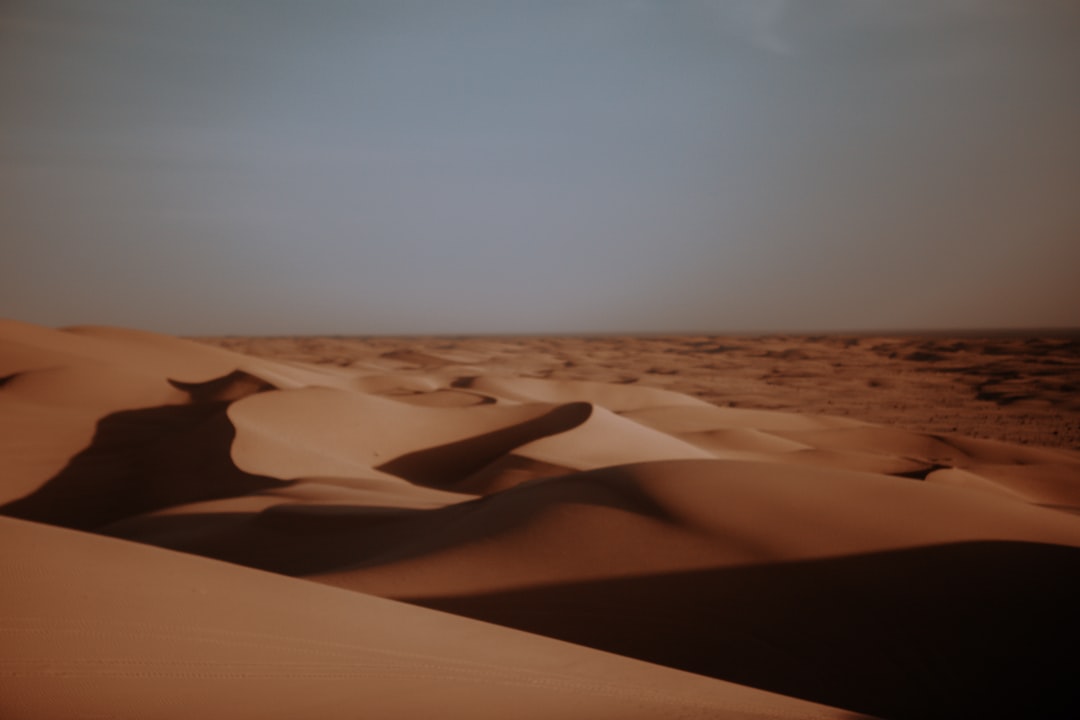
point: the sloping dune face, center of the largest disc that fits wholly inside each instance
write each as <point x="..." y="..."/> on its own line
<point x="355" y="523"/>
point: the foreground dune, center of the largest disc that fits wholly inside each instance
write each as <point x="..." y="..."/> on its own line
<point x="799" y="565"/>
<point x="98" y="627"/>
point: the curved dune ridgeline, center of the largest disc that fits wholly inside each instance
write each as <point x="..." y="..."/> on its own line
<point x="446" y="529"/>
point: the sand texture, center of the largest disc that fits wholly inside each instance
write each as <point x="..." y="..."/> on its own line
<point x="537" y="528"/>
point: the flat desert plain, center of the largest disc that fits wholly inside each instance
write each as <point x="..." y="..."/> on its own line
<point x="609" y="527"/>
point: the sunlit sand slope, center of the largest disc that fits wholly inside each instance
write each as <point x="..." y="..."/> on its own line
<point x="802" y="565"/>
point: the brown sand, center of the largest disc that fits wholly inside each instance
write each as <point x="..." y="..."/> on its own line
<point x="380" y="520"/>
<point x="1006" y="387"/>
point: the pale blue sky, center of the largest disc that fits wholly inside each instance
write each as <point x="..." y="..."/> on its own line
<point x="540" y="166"/>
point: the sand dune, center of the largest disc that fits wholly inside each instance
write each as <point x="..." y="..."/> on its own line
<point x="384" y="501"/>
<point x="99" y="627"/>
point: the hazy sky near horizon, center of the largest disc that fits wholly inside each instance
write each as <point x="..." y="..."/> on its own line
<point x="540" y="166"/>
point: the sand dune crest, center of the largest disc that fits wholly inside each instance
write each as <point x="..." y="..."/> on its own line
<point x="803" y="565"/>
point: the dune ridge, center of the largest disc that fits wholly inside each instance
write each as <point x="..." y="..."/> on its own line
<point x="355" y="521"/>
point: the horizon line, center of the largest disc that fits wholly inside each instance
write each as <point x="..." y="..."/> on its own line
<point x="998" y="332"/>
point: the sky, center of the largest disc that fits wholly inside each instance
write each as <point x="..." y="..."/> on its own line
<point x="286" y="167"/>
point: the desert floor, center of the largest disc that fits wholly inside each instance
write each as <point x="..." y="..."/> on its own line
<point x="633" y="528"/>
<point x="1019" y="388"/>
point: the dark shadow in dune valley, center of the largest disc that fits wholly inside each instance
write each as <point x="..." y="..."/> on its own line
<point x="972" y="630"/>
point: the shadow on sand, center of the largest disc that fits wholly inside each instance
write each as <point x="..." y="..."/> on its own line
<point x="140" y="461"/>
<point x="967" y="630"/>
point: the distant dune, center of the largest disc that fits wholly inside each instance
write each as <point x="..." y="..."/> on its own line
<point x="1003" y="386"/>
<point x="682" y="527"/>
